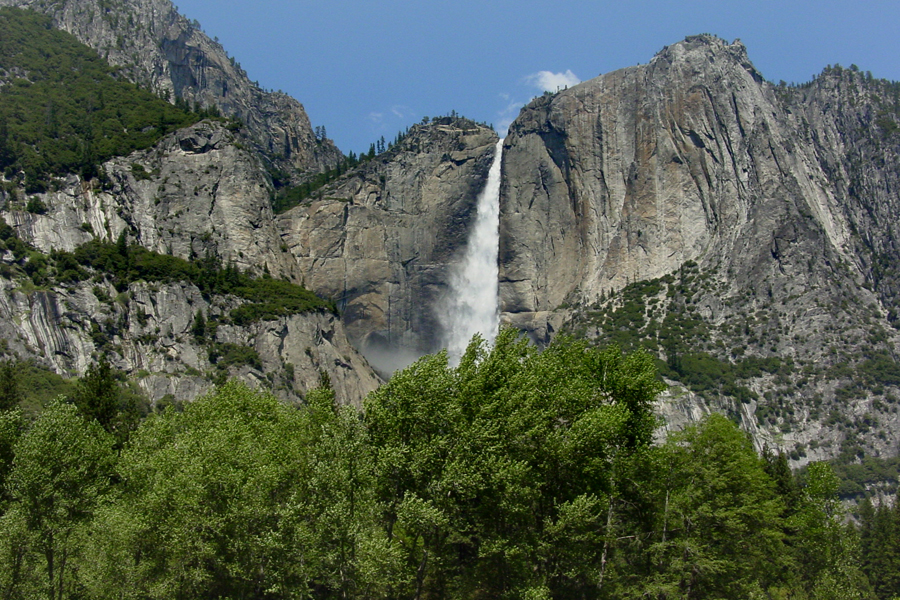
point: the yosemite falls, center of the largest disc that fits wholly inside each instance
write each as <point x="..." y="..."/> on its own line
<point x="472" y="305"/>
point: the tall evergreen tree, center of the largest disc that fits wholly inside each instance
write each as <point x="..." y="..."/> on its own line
<point x="880" y="547"/>
<point x="9" y="386"/>
<point x="98" y="394"/>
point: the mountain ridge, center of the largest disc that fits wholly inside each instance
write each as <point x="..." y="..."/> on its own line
<point x="160" y="49"/>
<point x="693" y="159"/>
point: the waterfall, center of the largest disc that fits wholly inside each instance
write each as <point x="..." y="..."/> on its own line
<point x="473" y="304"/>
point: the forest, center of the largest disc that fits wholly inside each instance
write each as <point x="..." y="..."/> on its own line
<point x="63" y="109"/>
<point x="517" y="474"/>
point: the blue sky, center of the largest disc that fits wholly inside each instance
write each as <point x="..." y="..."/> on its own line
<point x="367" y="69"/>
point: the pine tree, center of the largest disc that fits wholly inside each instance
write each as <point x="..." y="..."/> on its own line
<point x="199" y="327"/>
<point x="880" y="547"/>
<point x="122" y="244"/>
<point x="97" y="396"/>
<point x="776" y="466"/>
<point x="9" y="388"/>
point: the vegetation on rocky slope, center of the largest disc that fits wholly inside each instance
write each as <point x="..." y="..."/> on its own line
<point x="754" y="358"/>
<point x="63" y="109"/>
<point x="287" y="196"/>
<point x="121" y="264"/>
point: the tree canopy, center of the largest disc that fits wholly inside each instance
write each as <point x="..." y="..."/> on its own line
<point x="518" y="474"/>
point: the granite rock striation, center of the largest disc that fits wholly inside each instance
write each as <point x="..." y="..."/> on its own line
<point x="380" y="240"/>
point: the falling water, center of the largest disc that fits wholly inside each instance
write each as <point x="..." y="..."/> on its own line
<point x="472" y="306"/>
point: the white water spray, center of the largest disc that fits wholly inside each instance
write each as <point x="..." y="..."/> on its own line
<point x="473" y="305"/>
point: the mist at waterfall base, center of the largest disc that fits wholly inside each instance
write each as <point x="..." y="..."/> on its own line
<point x="472" y="305"/>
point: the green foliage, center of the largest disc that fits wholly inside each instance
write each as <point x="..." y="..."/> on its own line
<point x="517" y="474"/>
<point x="856" y="476"/>
<point x="9" y="387"/>
<point x="228" y="355"/>
<point x="288" y="196"/>
<point x="36" y="206"/>
<point x="268" y="298"/>
<point x="38" y="386"/>
<point x="720" y="504"/>
<point x="59" y="474"/>
<point x="273" y="298"/>
<point x="100" y="397"/>
<point x="10" y="429"/>
<point x="97" y="396"/>
<point x="828" y="553"/>
<point x="242" y="496"/>
<point x="880" y="368"/>
<point x="880" y="547"/>
<point x="660" y="315"/>
<point x="198" y="329"/>
<point x="63" y="109"/>
<point x="479" y="465"/>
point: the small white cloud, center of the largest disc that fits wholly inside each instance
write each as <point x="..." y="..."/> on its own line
<point x="547" y="81"/>
<point x="400" y="111"/>
<point x="376" y="117"/>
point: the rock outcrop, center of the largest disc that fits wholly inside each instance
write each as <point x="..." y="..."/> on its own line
<point x="158" y="48"/>
<point x="197" y="193"/>
<point x="380" y="240"/>
<point x="780" y="195"/>
<point x="743" y="232"/>
<point x="629" y="175"/>
<point x="147" y="332"/>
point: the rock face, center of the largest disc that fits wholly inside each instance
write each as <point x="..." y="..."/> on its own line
<point x="631" y="174"/>
<point x="197" y="193"/>
<point x="194" y="194"/>
<point x="745" y="233"/>
<point x="148" y="327"/>
<point x="780" y="195"/>
<point x="380" y="241"/>
<point x="158" y="48"/>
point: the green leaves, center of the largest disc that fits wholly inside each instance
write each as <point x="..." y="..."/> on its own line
<point x="722" y="518"/>
<point x="519" y="474"/>
<point x="267" y="298"/>
<point x="63" y="108"/>
<point x="242" y="495"/>
<point x="208" y="487"/>
<point x="481" y="465"/>
<point x="60" y="473"/>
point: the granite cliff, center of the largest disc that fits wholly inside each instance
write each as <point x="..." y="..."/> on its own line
<point x="692" y="208"/>
<point x="380" y="240"/>
<point x="201" y="195"/>
<point x="196" y="194"/>
<point x="147" y="332"/>
<point x="742" y="232"/>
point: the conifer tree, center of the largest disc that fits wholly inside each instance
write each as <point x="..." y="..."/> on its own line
<point x="9" y="388"/>
<point x="880" y="547"/>
<point x="199" y="327"/>
<point x="98" y="394"/>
